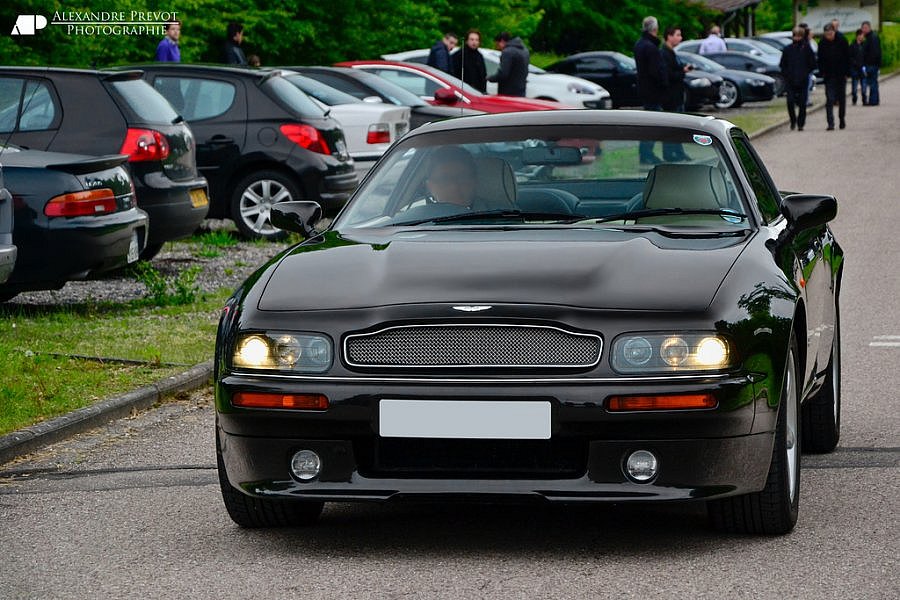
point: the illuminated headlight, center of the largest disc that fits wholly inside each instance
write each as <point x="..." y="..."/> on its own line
<point x="760" y="69"/>
<point x="757" y="82"/>
<point x="283" y="352"/>
<point x="578" y="88"/>
<point x="664" y="353"/>
<point x="700" y="82"/>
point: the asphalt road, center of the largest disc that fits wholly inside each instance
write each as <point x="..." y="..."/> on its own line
<point x="133" y="510"/>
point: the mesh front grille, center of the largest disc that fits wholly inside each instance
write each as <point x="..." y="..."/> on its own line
<point x="473" y="346"/>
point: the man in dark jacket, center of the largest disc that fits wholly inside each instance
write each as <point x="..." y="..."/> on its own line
<point x="673" y="96"/>
<point x="797" y="62"/>
<point x="468" y="63"/>
<point x="871" y="61"/>
<point x="439" y="56"/>
<point x="857" y="72"/>
<point x="512" y="76"/>
<point x="651" y="78"/>
<point x="232" y="53"/>
<point x="834" y="65"/>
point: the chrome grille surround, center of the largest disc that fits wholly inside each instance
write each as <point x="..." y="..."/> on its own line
<point x="473" y="345"/>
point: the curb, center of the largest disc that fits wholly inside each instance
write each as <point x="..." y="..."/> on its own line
<point x="775" y="126"/>
<point x="29" y="439"/>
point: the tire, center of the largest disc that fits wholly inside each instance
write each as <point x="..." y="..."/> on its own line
<point x="774" y="509"/>
<point x="821" y="414"/>
<point x="150" y="251"/>
<point x="253" y="513"/>
<point x="729" y="94"/>
<point x="778" y="86"/>
<point x="252" y="199"/>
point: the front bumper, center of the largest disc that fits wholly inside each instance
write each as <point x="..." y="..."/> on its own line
<point x="702" y="454"/>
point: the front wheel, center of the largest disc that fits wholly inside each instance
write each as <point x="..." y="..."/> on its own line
<point x="252" y="200"/>
<point x="774" y="509"/>
<point x="251" y="512"/>
<point x="729" y="95"/>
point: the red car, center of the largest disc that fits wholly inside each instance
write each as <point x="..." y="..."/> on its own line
<point x="441" y="89"/>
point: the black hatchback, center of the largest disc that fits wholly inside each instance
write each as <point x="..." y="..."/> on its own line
<point x="95" y="112"/>
<point x="260" y="141"/>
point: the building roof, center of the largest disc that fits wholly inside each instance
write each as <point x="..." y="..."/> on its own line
<point x="727" y="6"/>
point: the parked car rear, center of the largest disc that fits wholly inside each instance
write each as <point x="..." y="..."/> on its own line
<point x="7" y="247"/>
<point x="97" y="112"/>
<point x="74" y="217"/>
<point x="260" y="140"/>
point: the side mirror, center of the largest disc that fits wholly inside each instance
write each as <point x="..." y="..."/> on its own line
<point x="297" y="216"/>
<point x="803" y="211"/>
<point x="445" y="96"/>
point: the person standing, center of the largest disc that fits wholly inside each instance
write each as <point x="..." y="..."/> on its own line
<point x="871" y="61"/>
<point x="439" y="56"/>
<point x="673" y="96"/>
<point x="834" y="65"/>
<point x="167" y="50"/>
<point x="468" y="63"/>
<point x="232" y="53"/>
<point x="512" y="76"/>
<point x="857" y="71"/>
<point x="651" y="79"/>
<point x="713" y="42"/>
<point x="797" y="64"/>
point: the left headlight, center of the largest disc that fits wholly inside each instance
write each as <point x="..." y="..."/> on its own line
<point x="304" y="352"/>
<point x="671" y="352"/>
<point x="756" y="82"/>
<point x="700" y="82"/>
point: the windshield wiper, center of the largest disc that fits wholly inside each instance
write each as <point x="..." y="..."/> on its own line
<point x="658" y="212"/>
<point x="498" y="214"/>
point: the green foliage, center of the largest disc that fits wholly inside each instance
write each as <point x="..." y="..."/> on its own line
<point x="890" y="45"/>
<point x="774" y="15"/>
<point x="167" y="291"/>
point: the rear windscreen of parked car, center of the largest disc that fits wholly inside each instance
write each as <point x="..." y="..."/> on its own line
<point x="293" y="99"/>
<point x="148" y="104"/>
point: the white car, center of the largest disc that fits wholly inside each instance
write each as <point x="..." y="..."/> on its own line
<point x="369" y="127"/>
<point x="557" y="87"/>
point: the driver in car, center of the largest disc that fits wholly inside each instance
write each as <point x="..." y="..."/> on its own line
<point x="453" y="177"/>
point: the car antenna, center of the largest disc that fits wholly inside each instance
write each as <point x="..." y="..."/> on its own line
<point x="18" y="117"/>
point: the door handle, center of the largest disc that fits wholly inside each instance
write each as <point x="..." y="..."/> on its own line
<point x="220" y="140"/>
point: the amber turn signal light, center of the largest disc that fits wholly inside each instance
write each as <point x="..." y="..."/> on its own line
<point x="671" y="402"/>
<point x="292" y="401"/>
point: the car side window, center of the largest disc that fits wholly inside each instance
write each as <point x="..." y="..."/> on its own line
<point x="339" y="83"/>
<point x="595" y="64"/>
<point x="38" y="109"/>
<point x="196" y="99"/>
<point x="10" y="98"/>
<point x="767" y="197"/>
<point x="417" y="84"/>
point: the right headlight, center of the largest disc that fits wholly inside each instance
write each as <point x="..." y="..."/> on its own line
<point x="671" y="352"/>
<point x="309" y="353"/>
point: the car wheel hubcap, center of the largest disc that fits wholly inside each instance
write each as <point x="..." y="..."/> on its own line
<point x="727" y="94"/>
<point x="257" y="201"/>
<point x="791" y="427"/>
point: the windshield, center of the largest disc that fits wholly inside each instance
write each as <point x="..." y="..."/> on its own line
<point x="701" y="62"/>
<point x="393" y="92"/>
<point x="323" y="93"/>
<point x="566" y="176"/>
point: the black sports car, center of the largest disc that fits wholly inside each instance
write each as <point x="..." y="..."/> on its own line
<point x="618" y="74"/>
<point x="514" y="306"/>
<point x="739" y="61"/>
<point x="73" y="217"/>
<point x="737" y="86"/>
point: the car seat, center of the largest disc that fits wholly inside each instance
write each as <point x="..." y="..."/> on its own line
<point x="496" y="184"/>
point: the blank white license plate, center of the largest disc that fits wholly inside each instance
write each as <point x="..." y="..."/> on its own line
<point x="512" y="420"/>
<point x="133" y="250"/>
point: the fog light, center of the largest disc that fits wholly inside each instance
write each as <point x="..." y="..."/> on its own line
<point x="306" y="465"/>
<point x="641" y="466"/>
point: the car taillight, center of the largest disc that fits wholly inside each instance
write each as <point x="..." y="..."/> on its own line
<point x="306" y="136"/>
<point x="144" y="144"/>
<point x="79" y="204"/>
<point x="379" y="133"/>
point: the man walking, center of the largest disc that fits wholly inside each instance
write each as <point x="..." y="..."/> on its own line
<point x="834" y="65"/>
<point x="167" y="50"/>
<point x="713" y="43"/>
<point x="232" y="53"/>
<point x="797" y="63"/>
<point x="871" y="61"/>
<point x="512" y="76"/>
<point x="439" y="56"/>
<point x="651" y="78"/>
<point x="673" y="96"/>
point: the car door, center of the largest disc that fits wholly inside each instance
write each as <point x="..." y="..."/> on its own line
<point x="604" y="71"/>
<point x="30" y="113"/>
<point x="215" y="107"/>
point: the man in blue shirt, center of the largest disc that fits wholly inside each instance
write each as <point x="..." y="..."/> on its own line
<point x="167" y="50"/>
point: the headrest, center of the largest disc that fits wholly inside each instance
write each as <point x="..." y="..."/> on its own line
<point x="671" y="185"/>
<point x="496" y="182"/>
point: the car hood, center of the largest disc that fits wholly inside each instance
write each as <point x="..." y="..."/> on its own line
<point x="590" y="268"/>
